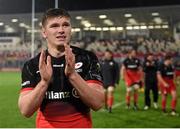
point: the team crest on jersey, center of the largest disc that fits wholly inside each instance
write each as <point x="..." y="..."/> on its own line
<point x="74" y="93"/>
<point x="111" y="63"/>
<point x="78" y="65"/>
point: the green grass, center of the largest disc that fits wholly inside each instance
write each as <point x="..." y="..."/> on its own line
<point x="10" y="116"/>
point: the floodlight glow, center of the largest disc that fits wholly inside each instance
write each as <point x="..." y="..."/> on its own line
<point x="128" y="15"/>
<point x="155" y="14"/>
<point x="108" y="22"/>
<point x="78" y="17"/>
<point x="92" y="28"/>
<point x="98" y="29"/>
<point x="77" y="29"/>
<point x="136" y="27"/>
<point x="102" y="16"/>
<point x="143" y="27"/>
<point x="105" y="28"/>
<point x="151" y="27"/>
<point x="165" y="26"/>
<point x="112" y="28"/>
<point x="14" y="20"/>
<point x="119" y="28"/>
<point x="157" y="27"/>
<point x="129" y="28"/>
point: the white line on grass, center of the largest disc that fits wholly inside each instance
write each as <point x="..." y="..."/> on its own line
<point x="114" y="106"/>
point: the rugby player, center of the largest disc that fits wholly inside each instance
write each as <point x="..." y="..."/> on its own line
<point x="166" y="76"/>
<point x="110" y="72"/>
<point x="131" y="72"/>
<point x="63" y="82"/>
<point x="177" y="73"/>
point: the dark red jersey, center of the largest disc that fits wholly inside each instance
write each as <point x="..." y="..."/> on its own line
<point x="166" y="71"/>
<point x="132" y="73"/>
<point x="62" y="107"/>
<point x="177" y="69"/>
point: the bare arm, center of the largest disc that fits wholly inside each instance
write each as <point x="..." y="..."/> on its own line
<point x="123" y="72"/>
<point x="91" y="94"/>
<point x="161" y="80"/>
<point x="30" y="101"/>
<point x="141" y="73"/>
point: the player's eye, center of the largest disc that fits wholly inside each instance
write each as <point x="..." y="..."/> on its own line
<point x="54" y="25"/>
<point x="66" y="24"/>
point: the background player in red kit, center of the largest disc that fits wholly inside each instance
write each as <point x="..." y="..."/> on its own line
<point x="177" y="72"/>
<point x="166" y="74"/>
<point x="110" y="72"/>
<point x="64" y="82"/>
<point x="131" y="72"/>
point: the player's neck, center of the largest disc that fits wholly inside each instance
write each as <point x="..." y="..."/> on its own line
<point x="56" y="51"/>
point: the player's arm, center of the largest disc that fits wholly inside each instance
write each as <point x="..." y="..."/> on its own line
<point x="176" y="79"/>
<point x="161" y="80"/>
<point x="140" y="69"/>
<point x="92" y="94"/>
<point x="116" y="73"/>
<point x="30" y="100"/>
<point x="123" y="69"/>
<point x="143" y="78"/>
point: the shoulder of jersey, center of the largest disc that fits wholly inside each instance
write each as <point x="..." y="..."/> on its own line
<point x="80" y="51"/>
<point x="34" y="61"/>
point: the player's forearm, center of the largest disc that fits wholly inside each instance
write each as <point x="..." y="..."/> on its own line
<point x="122" y="72"/>
<point x="90" y="95"/>
<point x="30" y="102"/>
<point x="160" y="79"/>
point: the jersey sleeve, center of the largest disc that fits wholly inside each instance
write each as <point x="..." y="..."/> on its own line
<point x="27" y="77"/>
<point x="116" y="73"/>
<point x="94" y="74"/>
<point x="139" y="63"/>
<point x="124" y="62"/>
<point x="160" y="69"/>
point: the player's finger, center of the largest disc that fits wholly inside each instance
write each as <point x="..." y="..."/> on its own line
<point x="72" y="55"/>
<point x="41" y="59"/>
<point x="67" y="52"/>
<point x="48" y="61"/>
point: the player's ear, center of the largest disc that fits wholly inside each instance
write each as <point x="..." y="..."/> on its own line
<point x="43" y="32"/>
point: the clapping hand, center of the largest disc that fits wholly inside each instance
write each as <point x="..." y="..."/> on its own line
<point x="70" y="60"/>
<point x="45" y="67"/>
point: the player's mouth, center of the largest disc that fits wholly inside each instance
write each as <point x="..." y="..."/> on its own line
<point x="61" y="37"/>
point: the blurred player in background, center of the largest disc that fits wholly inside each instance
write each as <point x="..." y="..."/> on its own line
<point x="150" y="67"/>
<point x="110" y="72"/>
<point x="177" y="73"/>
<point x="62" y="83"/>
<point x="131" y="72"/>
<point x="166" y="76"/>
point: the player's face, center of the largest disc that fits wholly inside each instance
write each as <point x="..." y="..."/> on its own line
<point x="133" y="53"/>
<point x="168" y="62"/>
<point x="57" y="31"/>
<point x="108" y="55"/>
<point x="150" y="57"/>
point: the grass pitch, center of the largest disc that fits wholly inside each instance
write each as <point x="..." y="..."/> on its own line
<point x="10" y="116"/>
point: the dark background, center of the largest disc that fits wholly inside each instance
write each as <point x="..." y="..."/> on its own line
<point x="24" y="6"/>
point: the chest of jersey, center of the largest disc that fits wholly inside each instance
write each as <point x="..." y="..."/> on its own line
<point x="167" y="71"/>
<point x="60" y="88"/>
<point x="150" y="66"/>
<point x="132" y="64"/>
